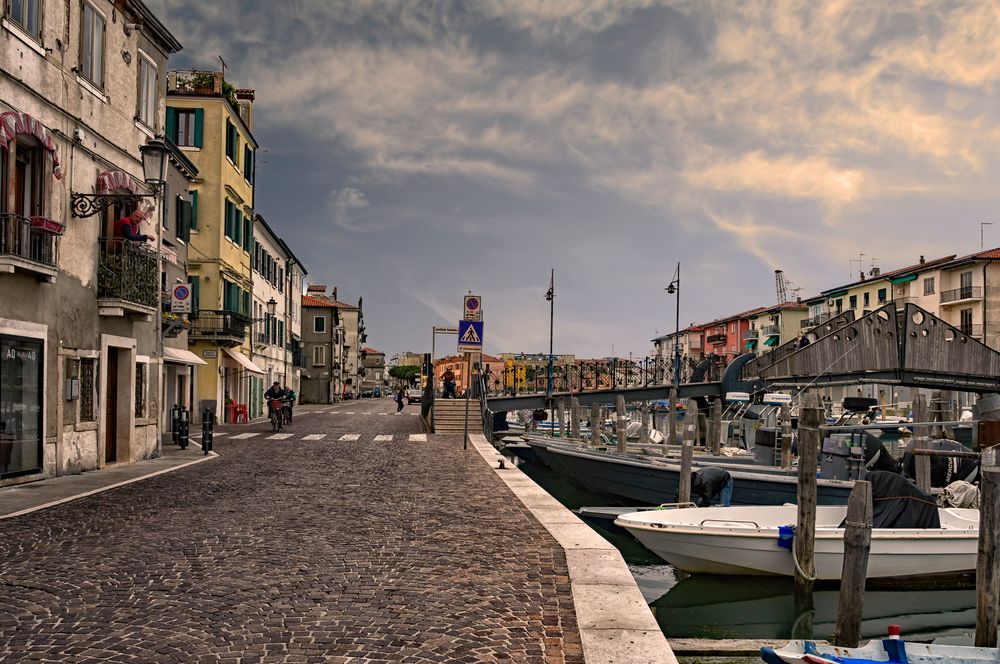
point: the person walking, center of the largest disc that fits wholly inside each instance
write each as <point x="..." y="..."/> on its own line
<point x="449" y="384"/>
<point x="400" y="395"/>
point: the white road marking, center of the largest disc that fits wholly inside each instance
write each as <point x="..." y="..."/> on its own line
<point x="384" y="413"/>
<point x="383" y="437"/>
<point x="242" y="436"/>
<point x="350" y="436"/>
<point x="279" y="436"/>
<point x="315" y="436"/>
<point x="349" y="412"/>
<point x="418" y="437"/>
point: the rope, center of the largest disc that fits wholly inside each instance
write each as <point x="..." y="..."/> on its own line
<point x="795" y="559"/>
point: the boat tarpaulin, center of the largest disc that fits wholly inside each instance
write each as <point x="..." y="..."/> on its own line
<point x="771" y="340"/>
<point x="898" y="503"/>
<point x="244" y="361"/>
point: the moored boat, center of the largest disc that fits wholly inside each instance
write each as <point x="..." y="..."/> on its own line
<point x="888" y="650"/>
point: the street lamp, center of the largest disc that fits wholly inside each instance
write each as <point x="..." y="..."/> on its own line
<point x="674" y="288"/>
<point x="272" y="307"/>
<point x="550" y="295"/>
<point x="154" y="162"/>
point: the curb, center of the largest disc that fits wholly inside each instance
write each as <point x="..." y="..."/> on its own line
<point x="614" y="621"/>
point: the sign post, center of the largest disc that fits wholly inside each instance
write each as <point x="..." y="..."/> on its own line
<point x="470" y="340"/>
<point x="180" y="299"/>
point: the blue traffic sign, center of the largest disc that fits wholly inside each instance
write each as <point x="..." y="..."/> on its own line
<point x="470" y="336"/>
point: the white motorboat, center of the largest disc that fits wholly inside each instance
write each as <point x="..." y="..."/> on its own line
<point x="756" y="541"/>
<point x="890" y="650"/>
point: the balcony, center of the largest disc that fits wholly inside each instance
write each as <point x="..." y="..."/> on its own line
<point x="716" y="339"/>
<point x="962" y="295"/>
<point x="771" y="330"/>
<point x="816" y="320"/>
<point x="975" y="330"/>
<point x="128" y="279"/>
<point x="751" y="334"/>
<point x="29" y="245"/>
<point x="226" y="328"/>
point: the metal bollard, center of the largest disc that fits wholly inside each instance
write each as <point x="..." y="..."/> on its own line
<point x="183" y="428"/>
<point x="175" y="418"/>
<point x="207" y="427"/>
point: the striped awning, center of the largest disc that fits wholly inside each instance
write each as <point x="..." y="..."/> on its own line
<point x="111" y="181"/>
<point x="14" y="124"/>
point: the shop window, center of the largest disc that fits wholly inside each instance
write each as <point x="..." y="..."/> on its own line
<point x="21" y="405"/>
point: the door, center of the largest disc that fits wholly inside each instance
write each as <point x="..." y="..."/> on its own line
<point x="111" y="409"/>
<point x="966" y="285"/>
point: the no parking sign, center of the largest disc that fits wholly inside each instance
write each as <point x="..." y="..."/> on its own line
<point x="180" y="299"/>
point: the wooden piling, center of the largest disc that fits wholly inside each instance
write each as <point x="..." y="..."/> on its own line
<point x="561" y="411"/>
<point x="595" y="425"/>
<point x="687" y="451"/>
<point x="715" y="429"/>
<point x="857" y="545"/>
<point x="574" y="418"/>
<point x="622" y="423"/>
<point x="922" y="464"/>
<point x="988" y="557"/>
<point x="644" y="432"/>
<point x="786" y="436"/>
<point x="810" y="438"/>
<point x="672" y="417"/>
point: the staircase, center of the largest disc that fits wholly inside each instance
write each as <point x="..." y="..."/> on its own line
<point x="449" y="416"/>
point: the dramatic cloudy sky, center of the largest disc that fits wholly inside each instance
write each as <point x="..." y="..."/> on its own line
<point x="416" y="150"/>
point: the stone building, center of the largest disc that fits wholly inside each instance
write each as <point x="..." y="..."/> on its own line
<point x="374" y="377"/>
<point x="81" y="89"/>
<point x="333" y="334"/>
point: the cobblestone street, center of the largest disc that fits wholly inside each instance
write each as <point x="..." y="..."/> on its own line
<point x="311" y="548"/>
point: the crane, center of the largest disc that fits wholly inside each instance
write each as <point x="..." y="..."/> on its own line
<point x="781" y="286"/>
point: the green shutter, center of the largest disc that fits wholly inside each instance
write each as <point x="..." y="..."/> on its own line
<point x="228" y="215"/>
<point x="184" y="229"/>
<point x="281" y="333"/>
<point x="247" y="235"/>
<point x="199" y="127"/>
<point x="171" y="128"/>
<point x="194" y="210"/>
<point x="195" y="292"/>
<point x="246" y="304"/>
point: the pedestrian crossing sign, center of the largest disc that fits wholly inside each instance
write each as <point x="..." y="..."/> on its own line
<point x="470" y="336"/>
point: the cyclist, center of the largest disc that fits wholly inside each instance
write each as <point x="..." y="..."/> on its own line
<point x="289" y="401"/>
<point x="273" y="392"/>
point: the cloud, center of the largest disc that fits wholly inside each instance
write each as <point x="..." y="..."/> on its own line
<point x="345" y="201"/>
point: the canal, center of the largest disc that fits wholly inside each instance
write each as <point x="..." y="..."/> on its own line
<point x="714" y="607"/>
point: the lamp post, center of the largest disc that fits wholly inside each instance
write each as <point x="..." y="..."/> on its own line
<point x="550" y="295"/>
<point x="674" y="288"/>
<point x="154" y="167"/>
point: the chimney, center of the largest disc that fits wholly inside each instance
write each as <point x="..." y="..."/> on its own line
<point x="876" y="271"/>
<point x="316" y="288"/>
<point x="245" y="97"/>
<point x="922" y="261"/>
<point x="335" y="294"/>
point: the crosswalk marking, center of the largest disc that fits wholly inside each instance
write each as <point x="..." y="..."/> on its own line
<point x="314" y="436"/>
<point x="279" y="436"/>
<point x="418" y="437"/>
<point x="220" y="433"/>
<point x="350" y="436"/>
<point x="383" y="437"/>
<point x="349" y="412"/>
<point x="243" y="436"/>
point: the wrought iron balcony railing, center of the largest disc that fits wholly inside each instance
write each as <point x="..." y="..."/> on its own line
<point x="964" y="293"/>
<point x="716" y="339"/>
<point x="751" y="334"/>
<point x="30" y="239"/>
<point x="228" y="326"/>
<point x="128" y="271"/>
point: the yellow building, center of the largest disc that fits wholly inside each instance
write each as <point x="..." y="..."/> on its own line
<point x="774" y="326"/>
<point x="212" y="123"/>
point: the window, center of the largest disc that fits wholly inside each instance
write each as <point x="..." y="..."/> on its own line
<point x="194" y="211"/>
<point x="27" y="15"/>
<point x="232" y="143"/>
<point x="92" y="46"/>
<point x="881" y="296"/>
<point x="867" y="298"/>
<point x="281" y="333"/>
<point x="319" y="324"/>
<point x="186" y="126"/>
<point x="21" y="404"/>
<point x="234" y="223"/>
<point x="147" y="93"/>
<point x="235" y="299"/>
<point x="966" y="324"/>
<point x="853" y="300"/>
<point x="140" y="389"/>
<point x="929" y="286"/>
<point x="319" y="356"/>
<point x="195" y="293"/>
<point x="248" y="164"/>
<point x="28" y="180"/>
<point x="965" y="280"/>
<point x="247" y="234"/>
<point x="183" y="218"/>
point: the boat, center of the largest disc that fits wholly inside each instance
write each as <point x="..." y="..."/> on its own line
<point x="637" y="479"/>
<point x="892" y="649"/>
<point x="758" y="541"/>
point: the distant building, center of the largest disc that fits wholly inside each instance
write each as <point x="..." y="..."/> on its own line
<point x="459" y="364"/>
<point x="774" y="326"/>
<point x="373" y="362"/>
<point x="406" y="359"/>
<point x="333" y="333"/>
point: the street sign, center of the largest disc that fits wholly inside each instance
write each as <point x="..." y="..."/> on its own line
<point x="180" y="299"/>
<point x="445" y="330"/>
<point x="210" y="354"/>
<point x="473" y="309"/>
<point x="470" y="336"/>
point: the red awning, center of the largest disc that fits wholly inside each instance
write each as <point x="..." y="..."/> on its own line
<point x="111" y="181"/>
<point x="14" y="124"/>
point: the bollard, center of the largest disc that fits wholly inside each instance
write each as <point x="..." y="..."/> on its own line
<point x="687" y="452"/>
<point x="183" y="427"/>
<point x="574" y="421"/>
<point x="175" y="418"/>
<point x="207" y="429"/>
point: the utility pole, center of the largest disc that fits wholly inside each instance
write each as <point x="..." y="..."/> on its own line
<point x="674" y="288"/>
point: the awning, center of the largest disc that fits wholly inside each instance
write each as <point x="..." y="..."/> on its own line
<point x="14" y="124"/>
<point x="839" y="293"/>
<point x="771" y="340"/>
<point x="751" y="344"/>
<point x="244" y="361"/>
<point x="179" y="356"/>
<point x="903" y="280"/>
<point x="111" y="181"/>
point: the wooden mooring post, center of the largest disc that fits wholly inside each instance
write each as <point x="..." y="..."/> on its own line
<point x="786" y="436"/>
<point x="857" y="546"/>
<point x="622" y="428"/>
<point x="810" y="438"/>
<point x="672" y="417"/>
<point x="715" y="428"/>
<point x="988" y="557"/>
<point x="574" y="421"/>
<point x="922" y="464"/>
<point x="561" y="414"/>
<point x="644" y="432"/>
<point x="595" y="425"/>
<point x="687" y="451"/>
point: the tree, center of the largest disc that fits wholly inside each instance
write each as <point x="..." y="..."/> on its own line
<point x="404" y="374"/>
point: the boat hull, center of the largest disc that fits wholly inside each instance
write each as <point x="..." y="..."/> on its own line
<point x="881" y="651"/>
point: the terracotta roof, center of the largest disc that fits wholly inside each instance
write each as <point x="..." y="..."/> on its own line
<point x="894" y="273"/>
<point x="310" y="301"/>
<point x="993" y="254"/>
<point x="368" y="349"/>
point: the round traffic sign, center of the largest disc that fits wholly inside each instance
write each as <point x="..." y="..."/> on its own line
<point x="472" y="304"/>
<point x="181" y="292"/>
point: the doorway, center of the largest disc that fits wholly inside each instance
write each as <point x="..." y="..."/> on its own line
<point x="111" y="408"/>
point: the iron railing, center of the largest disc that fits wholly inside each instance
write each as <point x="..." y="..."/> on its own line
<point x="751" y="334"/>
<point x="128" y="271"/>
<point x="592" y="375"/>
<point x="716" y="339"/>
<point x="770" y="330"/>
<point x="963" y="293"/>
<point x="974" y="330"/>
<point x="219" y="325"/>
<point x="20" y="237"/>
<point x="816" y="320"/>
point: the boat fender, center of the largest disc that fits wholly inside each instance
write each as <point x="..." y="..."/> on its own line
<point x="786" y="535"/>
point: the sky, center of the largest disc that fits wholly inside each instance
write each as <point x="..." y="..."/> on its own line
<point x="413" y="151"/>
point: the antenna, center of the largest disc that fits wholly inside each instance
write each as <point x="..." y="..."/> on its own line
<point x="223" y="66"/>
<point x="982" y="224"/>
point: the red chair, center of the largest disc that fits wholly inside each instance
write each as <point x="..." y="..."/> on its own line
<point x="231" y="410"/>
<point x="242" y="413"/>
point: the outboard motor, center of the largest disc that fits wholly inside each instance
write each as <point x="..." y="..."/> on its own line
<point x="838" y="463"/>
<point x="944" y="470"/>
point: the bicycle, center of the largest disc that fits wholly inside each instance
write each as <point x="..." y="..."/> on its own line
<point x="277" y="414"/>
<point x="286" y="411"/>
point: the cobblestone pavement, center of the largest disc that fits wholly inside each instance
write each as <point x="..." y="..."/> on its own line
<point x="294" y="550"/>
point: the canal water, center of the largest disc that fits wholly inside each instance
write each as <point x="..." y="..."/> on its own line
<point x="713" y="607"/>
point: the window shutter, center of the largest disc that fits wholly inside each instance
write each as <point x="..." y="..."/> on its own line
<point x="178" y="217"/>
<point x="184" y="228"/>
<point x="281" y="333"/>
<point x="195" y="292"/>
<point x="194" y="210"/>
<point x="199" y="127"/>
<point x="247" y="234"/>
<point x="171" y="129"/>
<point x="246" y="304"/>
<point x="228" y="216"/>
